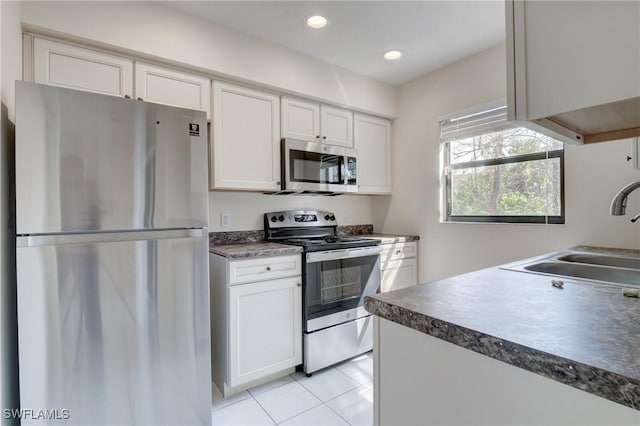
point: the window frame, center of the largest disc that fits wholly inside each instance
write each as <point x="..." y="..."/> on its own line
<point x="532" y="219"/>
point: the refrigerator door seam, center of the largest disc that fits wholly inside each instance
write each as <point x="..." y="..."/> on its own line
<point x="105" y="237"/>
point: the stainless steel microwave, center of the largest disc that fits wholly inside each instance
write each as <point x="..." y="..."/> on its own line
<point x="314" y="167"/>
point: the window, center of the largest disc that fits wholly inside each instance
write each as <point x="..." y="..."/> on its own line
<point x="497" y="172"/>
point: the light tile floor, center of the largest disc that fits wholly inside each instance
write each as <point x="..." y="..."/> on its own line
<point x="339" y="395"/>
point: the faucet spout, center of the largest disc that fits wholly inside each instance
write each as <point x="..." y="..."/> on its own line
<point x="619" y="202"/>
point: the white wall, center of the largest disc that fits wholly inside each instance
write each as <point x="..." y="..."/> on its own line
<point x="10" y="70"/>
<point x="247" y="208"/>
<point x="156" y="31"/>
<point x="592" y="176"/>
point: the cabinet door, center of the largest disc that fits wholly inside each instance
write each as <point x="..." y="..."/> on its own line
<point x="265" y="328"/>
<point x="169" y="87"/>
<point x="73" y="67"/>
<point x="336" y="126"/>
<point x="573" y="67"/>
<point x="246" y="139"/>
<point x="398" y="274"/>
<point x="372" y="139"/>
<point x="300" y="119"/>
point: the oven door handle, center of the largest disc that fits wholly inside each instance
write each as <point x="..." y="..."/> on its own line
<point x="322" y="256"/>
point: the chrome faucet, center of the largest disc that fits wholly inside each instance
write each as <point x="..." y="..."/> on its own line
<point x="619" y="202"/>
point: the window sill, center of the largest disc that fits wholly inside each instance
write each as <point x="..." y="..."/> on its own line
<point x="560" y="225"/>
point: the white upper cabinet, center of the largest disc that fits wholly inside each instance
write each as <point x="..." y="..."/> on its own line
<point x="246" y="139"/>
<point x="73" y="67"/>
<point x="300" y="119"/>
<point x="336" y="125"/>
<point x="314" y="122"/>
<point x="171" y="87"/>
<point x="573" y="68"/>
<point x="372" y="140"/>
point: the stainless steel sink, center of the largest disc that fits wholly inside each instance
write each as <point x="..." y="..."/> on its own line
<point x="600" y="268"/>
<point x="598" y="259"/>
<point x="628" y="277"/>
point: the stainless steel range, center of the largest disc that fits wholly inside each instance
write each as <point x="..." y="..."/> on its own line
<point x="338" y="272"/>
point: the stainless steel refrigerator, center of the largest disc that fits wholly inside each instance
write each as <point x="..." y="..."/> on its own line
<point x="112" y="266"/>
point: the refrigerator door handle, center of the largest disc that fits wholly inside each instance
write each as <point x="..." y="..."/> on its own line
<point x="105" y="237"/>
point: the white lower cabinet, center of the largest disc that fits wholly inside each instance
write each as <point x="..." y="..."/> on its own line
<point x="264" y="329"/>
<point x="256" y="327"/>
<point x="399" y="274"/>
<point x="398" y="266"/>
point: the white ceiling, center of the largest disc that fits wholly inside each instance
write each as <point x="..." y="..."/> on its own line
<point x="430" y="34"/>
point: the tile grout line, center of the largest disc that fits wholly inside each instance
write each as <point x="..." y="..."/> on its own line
<point x="289" y="418"/>
<point x="299" y="381"/>
<point x="337" y="414"/>
<point x="263" y="409"/>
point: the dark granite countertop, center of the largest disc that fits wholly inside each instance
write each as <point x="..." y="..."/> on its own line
<point x="257" y="249"/>
<point x="585" y="335"/>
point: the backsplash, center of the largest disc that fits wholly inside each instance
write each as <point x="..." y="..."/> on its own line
<point x="235" y="237"/>
<point x="354" y="230"/>
<point x="238" y="237"/>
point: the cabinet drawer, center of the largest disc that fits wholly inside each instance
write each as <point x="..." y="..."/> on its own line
<point x="263" y="268"/>
<point x="398" y="251"/>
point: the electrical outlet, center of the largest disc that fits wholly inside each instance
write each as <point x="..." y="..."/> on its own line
<point x="225" y="220"/>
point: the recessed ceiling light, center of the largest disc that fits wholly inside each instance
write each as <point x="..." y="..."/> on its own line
<point x="392" y="55"/>
<point x="316" y="22"/>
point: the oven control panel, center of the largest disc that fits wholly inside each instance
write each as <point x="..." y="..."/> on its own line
<point x="297" y="218"/>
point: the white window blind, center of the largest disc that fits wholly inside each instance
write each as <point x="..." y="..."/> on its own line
<point x="469" y="124"/>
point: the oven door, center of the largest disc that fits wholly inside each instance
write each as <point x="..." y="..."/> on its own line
<point x="310" y="166"/>
<point x="336" y="283"/>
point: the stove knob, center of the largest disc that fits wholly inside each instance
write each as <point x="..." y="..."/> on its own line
<point x="274" y="219"/>
<point x="281" y="218"/>
<point x="332" y="217"/>
<point x="327" y="217"/>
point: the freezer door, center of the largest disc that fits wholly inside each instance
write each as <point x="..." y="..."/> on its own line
<point x="117" y="332"/>
<point x="90" y="162"/>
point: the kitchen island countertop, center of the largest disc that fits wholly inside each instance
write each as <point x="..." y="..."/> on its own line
<point x="585" y="335"/>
